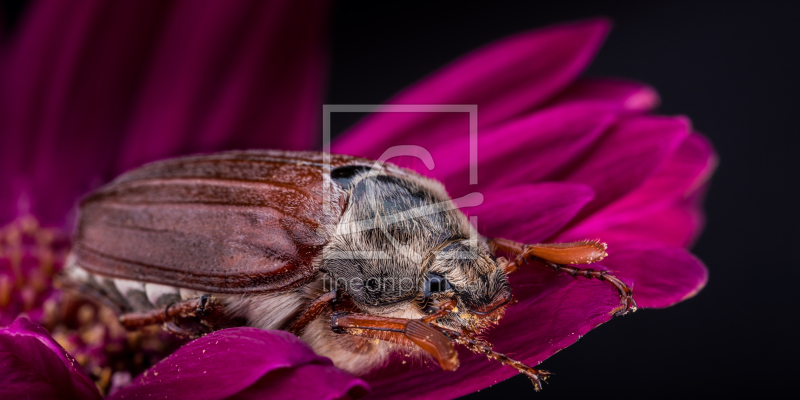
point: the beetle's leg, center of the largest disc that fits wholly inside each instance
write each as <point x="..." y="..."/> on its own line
<point x="627" y="303"/>
<point x="556" y="255"/>
<point x="414" y="332"/>
<point x="193" y="317"/>
<point x="442" y="311"/>
<point x="320" y="304"/>
<point x="399" y="330"/>
<point x="170" y="325"/>
<point x="204" y="305"/>
<point x="435" y="340"/>
<point x="537" y="376"/>
<point x="584" y="252"/>
<point x="94" y="293"/>
<point x="135" y="320"/>
<point x="312" y="311"/>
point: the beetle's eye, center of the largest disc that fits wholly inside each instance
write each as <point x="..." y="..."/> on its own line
<point x="436" y="284"/>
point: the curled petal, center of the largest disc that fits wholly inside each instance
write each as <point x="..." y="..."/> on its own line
<point x="33" y="365"/>
<point x="503" y="79"/>
<point x="21" y="381"/>
<point x="245" y="362"/>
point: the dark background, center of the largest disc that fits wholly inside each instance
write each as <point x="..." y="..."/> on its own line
<point x="733" y="68"/>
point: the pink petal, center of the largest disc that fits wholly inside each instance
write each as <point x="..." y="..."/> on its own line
<point x="679" y="225"/>
<point x="626" y="95"/>
<point x="633" y="150"/>
<point x="100" y="88"/>
<point x="662" y="275"/>
<point x="33" y="365"/>
<point x="665" y="207"/>
<point x="553" y="312"/>
<point x="309" y="381"/>
<point x="18" y="380"/>
<point x="504" y="79"/>
<point x="246" y="361"/>
<point x="529" y="213"/>
<point x="523" y="151"/>
<point x="223" y="76"/>
<point x="533" y="147"/>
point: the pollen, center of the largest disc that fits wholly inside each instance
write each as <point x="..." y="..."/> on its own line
<point x="30" y="256"/>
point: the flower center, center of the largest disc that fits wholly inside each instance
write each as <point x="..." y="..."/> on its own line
<point x="30" y="258"/>
<point x="30" y="255"/>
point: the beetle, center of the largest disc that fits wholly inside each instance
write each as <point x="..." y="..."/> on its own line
<point x="354" y="256"/>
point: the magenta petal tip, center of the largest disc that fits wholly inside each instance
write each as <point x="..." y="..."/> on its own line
<point x="33" y="364"/>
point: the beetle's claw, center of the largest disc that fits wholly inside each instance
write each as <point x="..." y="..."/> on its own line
<point x="176" y="330"/>
<point x="626" y="304"/>
<point x="537" y="377"/>
<point x="204" y="305"/>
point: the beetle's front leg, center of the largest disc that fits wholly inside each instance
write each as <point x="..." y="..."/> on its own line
<point x="557" y="255"/>
<point x="399" y="330"/>
<point x="314" y="310"/>
<point x="396" y="330"/>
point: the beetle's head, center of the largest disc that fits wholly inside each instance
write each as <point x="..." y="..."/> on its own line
<point x="464" y="271"/>
<point x="402" y="249"/>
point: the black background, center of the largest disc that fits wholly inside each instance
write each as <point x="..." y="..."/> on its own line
<point x="730" y="66"/>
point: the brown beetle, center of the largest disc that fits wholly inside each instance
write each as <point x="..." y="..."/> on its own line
<point x="336" y="249"/>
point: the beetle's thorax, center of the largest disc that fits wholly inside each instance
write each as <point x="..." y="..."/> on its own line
<point x="387" y="232"/>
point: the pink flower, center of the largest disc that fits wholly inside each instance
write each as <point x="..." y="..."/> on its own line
<point x="559" y="160"/>
<point x="95" y="90"/>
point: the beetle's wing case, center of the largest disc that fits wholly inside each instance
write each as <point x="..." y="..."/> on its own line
<point x="234" y="222"/>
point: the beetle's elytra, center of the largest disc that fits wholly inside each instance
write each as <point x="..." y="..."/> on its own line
<point x="340" y="254"/>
